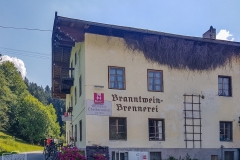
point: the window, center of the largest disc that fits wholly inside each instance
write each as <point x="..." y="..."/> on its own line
<point x="75" y="90"/>
<point x="119" y="155"/>
<point x="224" y="86"/>
<point x="75" y="58"/>
<point x="214" y="157"/>
<point x="229" y="155"/>
<point x="75" y="133"/>
<point x="225" y="131"/>
<point x="67" y="137"/>
<point x="72" y="132"/>
<point x="156" y="129"/>
<point x="116" y="77"/>
<point x="80" y="129"/>
<point x="155" y="81"/>
<point x="117" y="128"/>
<point x="71" y="69"/>
<point x="155" y="155"/>
<point x="70" y="135"/>
<point x="80" y="86"/>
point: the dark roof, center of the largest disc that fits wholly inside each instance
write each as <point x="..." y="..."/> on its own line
<point x="118" y="31"/>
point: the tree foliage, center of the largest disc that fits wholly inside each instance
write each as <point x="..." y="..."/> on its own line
<point x="15" y="92"/>
<point x="37" y="121"/>
<point x="44" y="96"/>
<point x="21" y="114"/>
<point x="5" y="100"/>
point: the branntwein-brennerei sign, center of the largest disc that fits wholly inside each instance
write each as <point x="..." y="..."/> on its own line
<point x="133" y="103"/>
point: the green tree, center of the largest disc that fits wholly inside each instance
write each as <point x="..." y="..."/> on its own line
<point x="37" y="121"/>
<point x="15" y="90"/>
<point x="37" y="91"/>
<point x="21" y="114"/>
<point x="54" y="128"/>
<point x="45" y="96"/>
<point x="33" y="119"/>
<point x="6" y="97"/>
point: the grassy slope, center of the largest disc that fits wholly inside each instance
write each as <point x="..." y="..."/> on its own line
<point x="8" y="144"/>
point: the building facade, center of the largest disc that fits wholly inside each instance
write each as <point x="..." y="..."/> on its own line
<point x="138" y="104"/>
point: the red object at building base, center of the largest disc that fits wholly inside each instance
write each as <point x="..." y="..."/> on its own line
<point x="65" y="114"/>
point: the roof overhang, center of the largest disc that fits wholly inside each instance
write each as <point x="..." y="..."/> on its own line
<point x="64" y="36"/>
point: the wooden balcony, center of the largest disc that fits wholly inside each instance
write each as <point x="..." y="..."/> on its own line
<point x="67" y="81"/>
<point x="65" y="88"/>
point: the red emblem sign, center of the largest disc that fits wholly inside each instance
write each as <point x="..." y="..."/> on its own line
<point x="65" y="114"/>
<point x="99" y="98"/>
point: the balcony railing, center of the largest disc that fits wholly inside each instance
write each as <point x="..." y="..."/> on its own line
<point x="67" y="81"/>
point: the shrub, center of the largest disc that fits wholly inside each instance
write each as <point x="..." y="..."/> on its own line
<point x="71" y="154"/>
<point x="99" y="156"/>
<point x="171" y="158"/>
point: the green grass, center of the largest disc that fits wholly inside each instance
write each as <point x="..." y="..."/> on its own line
<point x="10" y="144"/>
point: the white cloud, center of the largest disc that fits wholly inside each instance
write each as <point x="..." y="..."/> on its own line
<point x="18" y="63"/>
<point x="225" y="35"/>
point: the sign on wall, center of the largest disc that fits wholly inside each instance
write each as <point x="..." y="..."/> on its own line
<point x="66" y="118"/>
<point x="99" y="98"/>
<point x="137" y="103"/>
<point x="104" y="109"/>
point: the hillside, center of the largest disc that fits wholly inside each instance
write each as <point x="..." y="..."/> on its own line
<point x="9" y="144"/>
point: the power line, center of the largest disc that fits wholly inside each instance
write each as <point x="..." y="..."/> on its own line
<point x="34" y="56"/>
<point x="10" y="52"/>
<point x="24" y="51"/>
<point x="13" y="54"/>
<point x="31" y="29"/>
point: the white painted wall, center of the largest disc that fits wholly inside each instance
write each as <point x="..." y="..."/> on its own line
<point x="78" y="108"/>
<point x="99" y="52"/>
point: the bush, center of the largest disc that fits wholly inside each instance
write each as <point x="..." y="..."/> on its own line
<point x="171" y="158"/>
<point x="99" y="156"/>
<point x="187" y="158"/>
<point x="71" y="153"/>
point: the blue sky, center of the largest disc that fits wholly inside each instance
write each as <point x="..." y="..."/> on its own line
<point x="184" y="17"/>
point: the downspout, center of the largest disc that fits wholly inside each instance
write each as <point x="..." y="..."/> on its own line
<point x="72" y="128"/>
<point x="238" y="154"/>
<point x="222" y="152"/>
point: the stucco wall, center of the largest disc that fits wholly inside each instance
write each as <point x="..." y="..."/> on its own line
<point x="101" y="52"/>
<point x="79" y="107"/>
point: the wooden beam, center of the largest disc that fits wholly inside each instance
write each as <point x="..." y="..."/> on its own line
<point x="58" y="93"/>
<point x="60" y="36"/>
<point x="72" y="24"/>
<point x="60" y="64"/>
<point x="76" y="34"/>
<point x="70" y="69"/>
<point x="65" y="43"/>
<point x="57" y="79"/>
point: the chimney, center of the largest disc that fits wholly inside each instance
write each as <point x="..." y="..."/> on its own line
<point x="211" y="33"/>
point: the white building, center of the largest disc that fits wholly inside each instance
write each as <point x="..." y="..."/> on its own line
<point x="148" y="93"/>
